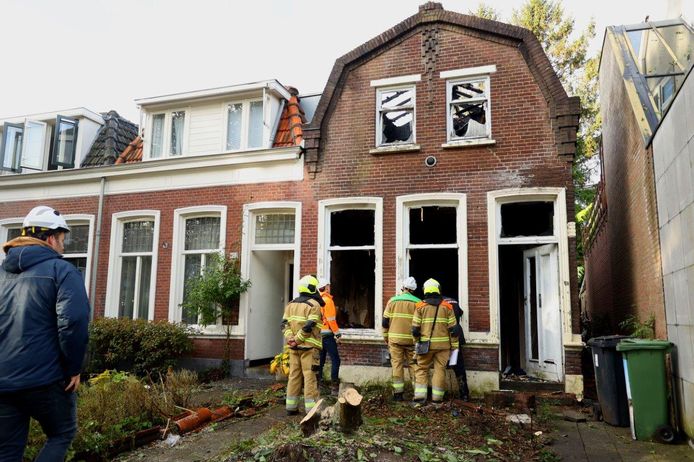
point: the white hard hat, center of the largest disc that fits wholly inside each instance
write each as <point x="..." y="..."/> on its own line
<point x="45" y="217"/>
<point x="409" y="283"/>
<point x="322" y="282"/>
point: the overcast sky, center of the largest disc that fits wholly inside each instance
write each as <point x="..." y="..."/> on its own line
<point x="103" y="54"/>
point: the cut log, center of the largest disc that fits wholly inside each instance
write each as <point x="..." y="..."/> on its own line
<point x="309" y="424"/>
<point x="348" y="410"/>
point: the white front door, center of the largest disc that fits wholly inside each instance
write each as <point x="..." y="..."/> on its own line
<point x="267" y="297"/>
<point x="543" y="348"/>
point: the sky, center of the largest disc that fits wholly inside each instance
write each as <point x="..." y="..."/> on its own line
<point x="103" y="55"/>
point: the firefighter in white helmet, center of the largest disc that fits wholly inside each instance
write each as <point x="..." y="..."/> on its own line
<point x="301" y="326"/>
<point x="433" y="326"/>
<point x="397" y="332"/>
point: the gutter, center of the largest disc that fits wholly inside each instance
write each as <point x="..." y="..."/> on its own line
<point x="97" y="243"/>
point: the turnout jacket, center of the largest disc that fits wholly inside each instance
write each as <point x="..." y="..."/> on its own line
<point x="44" y="313"/>
<point x="397" y="319"/>
<point x="444" y="334"/>
<point x="302" y="322"/>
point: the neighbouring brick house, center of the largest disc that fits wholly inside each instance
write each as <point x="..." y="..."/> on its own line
<point x="640" y="239"/>
<point x="441" y="148"/>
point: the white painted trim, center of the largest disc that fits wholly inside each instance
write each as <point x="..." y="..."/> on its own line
<point x="114" y="262"/>
<point x="327" y="206"/>
<point x="506" y="196"/>
<point x="380" y="147"/>
<point x="245" y="121"/>
<point x="397" y="80"/>
<point x="462" y="141"/>
<point x="51" y="116"/>
<point x="248" y="245"/>
<point x="468" y="72"/>
<point x="459" y="201"/>
<point x="272" y="85"/>
<point x="5" y="225"/>
<point x="471" y="143"/>
<point x="177" y="245"/>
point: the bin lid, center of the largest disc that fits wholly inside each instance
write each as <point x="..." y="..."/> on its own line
<point x="633" y="344"/>
<point x="606" y="341"/>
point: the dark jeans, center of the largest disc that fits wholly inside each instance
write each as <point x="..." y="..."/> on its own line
<point x="330" y="348"/>
<point x="460" y="373"/>
<point x="53" y="407"/>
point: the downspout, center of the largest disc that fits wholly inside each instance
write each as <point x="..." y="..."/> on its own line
<point x="97" y="243"/>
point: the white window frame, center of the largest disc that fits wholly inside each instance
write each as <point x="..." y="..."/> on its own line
<point x="115" y="261"/>
<point x="248" y="245"/>
<point x="42" y="154"/>
<point x="560" y="237"/>
<point x="166" y="142"/>
<point x="412" y="106"/>
<point x="402" y="239"/>
<point x="325" y="208"/>
<point x="245" y="123"/>
<point x="178" y="263"/>
<point x="73" y="219"/>
<point x="449" y="103"/>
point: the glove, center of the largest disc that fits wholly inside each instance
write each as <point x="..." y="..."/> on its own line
<point x="308" y="327"/>
<point x="416" y="331"/>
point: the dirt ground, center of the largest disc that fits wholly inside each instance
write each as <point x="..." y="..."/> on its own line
<point x="454" y="431"/>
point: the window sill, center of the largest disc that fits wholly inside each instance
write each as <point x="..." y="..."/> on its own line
<point x="395" y="149"/>
<point x="468" y="143"/>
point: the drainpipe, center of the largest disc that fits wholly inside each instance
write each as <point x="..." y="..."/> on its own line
<point x="97" y="243"/>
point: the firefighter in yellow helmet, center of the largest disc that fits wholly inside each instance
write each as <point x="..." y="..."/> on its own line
<point x="433" y="324"/>
<point x="301" y="326"/>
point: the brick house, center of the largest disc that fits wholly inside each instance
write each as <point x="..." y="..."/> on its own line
<point x="441" y="148"/>
<point x="639" y="258"/>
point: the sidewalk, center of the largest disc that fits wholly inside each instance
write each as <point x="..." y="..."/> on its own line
<point x="600" y="442"/>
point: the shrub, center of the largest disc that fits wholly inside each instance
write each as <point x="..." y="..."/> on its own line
<point x="136" y="345"/>
<point x="172" y="392"/>
<point x="640" y="329"/>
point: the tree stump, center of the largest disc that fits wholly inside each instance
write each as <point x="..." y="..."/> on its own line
<point x="348" y="409"/>
<point x="309" y="424"/>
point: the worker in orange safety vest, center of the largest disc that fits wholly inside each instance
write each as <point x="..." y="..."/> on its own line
<point x="330" y="333"/>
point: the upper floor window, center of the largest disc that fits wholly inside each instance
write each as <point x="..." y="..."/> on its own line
<point x="468" y="109"/>
<point x="167" y="134"/>
<point x="395" y="122"/>
<point x="244" y="125"/>
<point x="24" y="145"/>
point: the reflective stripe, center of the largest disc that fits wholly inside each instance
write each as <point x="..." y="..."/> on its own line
<point x="398" y="385"/>
<point x="401" y="315"/>
<point x="309" y="404"/>
<point x="405" y="336"/>
<point x="420" y="391"/>
<point x="300" y="336"/>
<point x="292" y="403"/>
<point x="437" y="391"/>
<point x="314" y="317"/>
<point x="297" y="318"/>
<point x="314" y="341"/>
<point x="331" y="318"/>
<point x="288" y="333"/>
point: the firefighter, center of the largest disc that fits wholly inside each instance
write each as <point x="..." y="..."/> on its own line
<point x="459" y="366"/>
<point x="397" y="333"/>
<point x="330" y="334"/>
<point x="433" y="323"/>
<point x="301" y="325"/>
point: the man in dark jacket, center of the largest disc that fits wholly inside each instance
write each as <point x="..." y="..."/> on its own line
<point x="44" y="313"/>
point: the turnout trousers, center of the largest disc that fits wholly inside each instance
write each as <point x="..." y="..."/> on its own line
<point x="301" y="373"/>
<point x="439" y="358"/>
<point x="401" y="356"/>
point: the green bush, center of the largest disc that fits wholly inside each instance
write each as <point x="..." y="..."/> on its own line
<point x="137" y="346"/>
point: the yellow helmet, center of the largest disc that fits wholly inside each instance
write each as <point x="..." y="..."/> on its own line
<point x="308" y="285"/>
<point x="432" y="286"/>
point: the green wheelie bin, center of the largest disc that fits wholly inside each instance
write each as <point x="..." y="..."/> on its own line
<point x="647" y="388"/>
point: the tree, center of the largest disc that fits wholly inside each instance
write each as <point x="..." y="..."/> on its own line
<point x="578" y="73"/>
<point x="487" y="12"/>
<point x="214" y="294"/>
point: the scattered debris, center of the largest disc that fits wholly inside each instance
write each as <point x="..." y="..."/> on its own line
<point x="521" y="419"/>
<point x="172" y="440"/>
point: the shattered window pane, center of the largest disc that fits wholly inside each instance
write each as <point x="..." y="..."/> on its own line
<point x="396" y="116"/>
<point x="468" y="106"/>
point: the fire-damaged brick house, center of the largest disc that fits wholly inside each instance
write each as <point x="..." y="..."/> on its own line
<point x="441" y="148"/>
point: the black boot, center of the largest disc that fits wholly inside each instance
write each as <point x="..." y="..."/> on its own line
<point x="463" y="388"/>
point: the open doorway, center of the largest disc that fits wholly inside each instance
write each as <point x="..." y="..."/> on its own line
<point x="529" y="303"/>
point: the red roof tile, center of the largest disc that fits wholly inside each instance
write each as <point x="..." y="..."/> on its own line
<point x="289" y="131"/>
<point x="132" y="153"/>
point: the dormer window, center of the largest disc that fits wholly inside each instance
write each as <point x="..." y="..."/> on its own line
<point x="25" y="145"/>
<point x="395" y="111"/>
<point x="244" y="125"/>
<point x="167" y="134"/>
<point x="468" y="99"/>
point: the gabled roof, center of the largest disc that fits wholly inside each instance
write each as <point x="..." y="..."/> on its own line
<point x="132" y="153"/>
<point x="113" y="137"/>
<point x="289" y="131"/>
<point x="432" y="13"/>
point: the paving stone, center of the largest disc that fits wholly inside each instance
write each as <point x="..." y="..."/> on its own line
<point x="574" y="416"/>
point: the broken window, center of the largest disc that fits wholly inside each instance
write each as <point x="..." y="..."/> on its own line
<point x="527" y="219"/>
<point x="468" y="107"/>
<point x="352" y="254"/>
<point x="432" y="249"/>
<point x="395" y="123"/>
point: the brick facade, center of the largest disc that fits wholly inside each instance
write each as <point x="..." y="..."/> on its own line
<point x="533" y="124"/>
